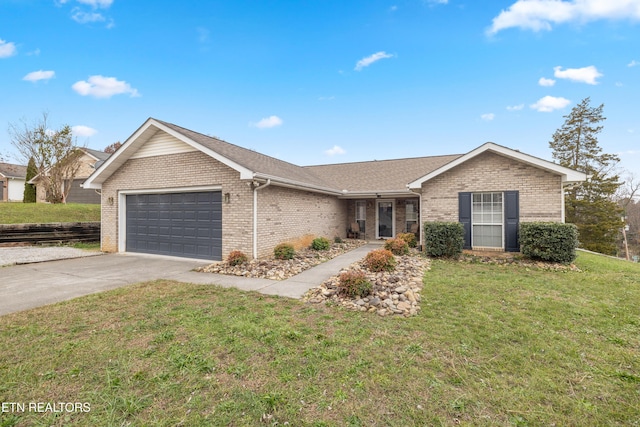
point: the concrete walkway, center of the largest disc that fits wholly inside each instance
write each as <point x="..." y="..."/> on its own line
<point x="33" y="285"/>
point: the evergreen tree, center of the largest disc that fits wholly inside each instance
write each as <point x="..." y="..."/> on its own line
<point x="30" y="189"/>
<point x="589" y="206"/>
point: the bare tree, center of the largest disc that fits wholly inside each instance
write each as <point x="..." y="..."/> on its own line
<point x="626" y="194"/>
<point x="55" y="153"/>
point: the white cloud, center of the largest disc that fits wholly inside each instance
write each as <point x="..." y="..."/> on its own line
<point x="546" y="82"/>
<point x="488" y="117"/>
<point x="104" y="87"/>
<point x="539" y="15"/>
<point x="393" y="8"/>
<point x="336" y="149"/>
<point x="82" y="130"/>
<point x="515" y="107"/>
<point x="437" y="1"/>
<point x="365" y="62"/>
<point x="85" y="17"/>
<point x="7" y="49"/>
<point x="550" y="103"/>
<point x="633" y="63"/>
<point x="35" y="76"/>
<point x="586" y="75"/>
<point x="103" y="4"/>
<point x="268" y="122"/>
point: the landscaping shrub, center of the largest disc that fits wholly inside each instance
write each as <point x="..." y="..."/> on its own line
<point x="380" y="260"/>
<point x="354" y="284"/>
<point x="443" y="239"/>
<point x="237" y="258"/>
<point x="397" y="246"/>
<point x="410" y="238"/>
<point x="284" y="251"/>
<point x="320" y="244"/>
<point x="337" y="239"/>
<point x="549" y="241"/>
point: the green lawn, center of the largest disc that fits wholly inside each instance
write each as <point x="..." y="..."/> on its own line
<point x="40" y="213"/>
<point x="493" y="345"/>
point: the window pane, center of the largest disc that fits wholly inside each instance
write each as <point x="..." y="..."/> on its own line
<point x="487" y="236"/>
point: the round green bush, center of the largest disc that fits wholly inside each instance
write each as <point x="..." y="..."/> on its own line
<point x="284" y="251"/>
<point x="320" y="244"/>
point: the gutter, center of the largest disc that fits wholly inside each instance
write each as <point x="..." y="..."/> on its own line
<point x="283" y="182"/>
<point x="375" y="194"/>
<point x="256" y="186"/>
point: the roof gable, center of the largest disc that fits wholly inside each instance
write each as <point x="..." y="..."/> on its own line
<point x="568" y="175"/>
<point x="156" y="137"/>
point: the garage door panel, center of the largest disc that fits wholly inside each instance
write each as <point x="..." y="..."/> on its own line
<point x="177" y="224"/>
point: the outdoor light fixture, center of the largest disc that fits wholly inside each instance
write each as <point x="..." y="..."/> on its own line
<point x="227" y="198"/>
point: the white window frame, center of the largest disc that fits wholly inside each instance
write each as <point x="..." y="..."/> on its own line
<point x="501" y="224"/>
<point x="415" y="215"/>
<point x="361" y="207"/>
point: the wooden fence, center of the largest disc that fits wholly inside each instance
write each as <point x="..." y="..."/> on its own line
<point x="59" y="232"/>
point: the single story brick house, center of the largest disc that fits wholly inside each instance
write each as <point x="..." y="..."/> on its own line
<point x="172" y="191"/>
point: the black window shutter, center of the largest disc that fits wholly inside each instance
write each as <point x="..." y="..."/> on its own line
<point x="464" y="215"/>
<point x="511" y="221"/>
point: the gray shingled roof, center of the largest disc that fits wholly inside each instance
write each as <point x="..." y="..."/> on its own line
<point x="100" y="155"/>
<point x="252" y="160"/>
<point x="9" y="170"/>
<point x="379" y="175"/>
<point x="383" y="175"/>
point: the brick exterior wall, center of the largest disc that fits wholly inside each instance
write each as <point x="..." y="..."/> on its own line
<point x="284" y="213"/>
<point x="182" y="171"/>
<point x="540" y="194"/>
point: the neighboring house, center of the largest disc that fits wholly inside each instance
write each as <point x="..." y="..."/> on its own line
<point x="171" y="191"/>
<point x="12" y="179"/>
<point x="89" y="160"/>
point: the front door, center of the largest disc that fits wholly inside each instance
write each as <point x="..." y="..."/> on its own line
<point x="385" y="219"/>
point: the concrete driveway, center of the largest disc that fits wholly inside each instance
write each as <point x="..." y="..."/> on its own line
<point x="32" y="285"/>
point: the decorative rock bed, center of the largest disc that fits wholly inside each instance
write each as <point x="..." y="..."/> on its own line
<point x="276" y="269"/>
<point x="393" y="293"/>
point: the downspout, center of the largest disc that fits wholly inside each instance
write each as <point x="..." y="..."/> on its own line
<point x="419" y="216"/>
<point x="256" y="187"/>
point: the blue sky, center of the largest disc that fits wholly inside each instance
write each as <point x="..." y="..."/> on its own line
<point x="316" y="82"/>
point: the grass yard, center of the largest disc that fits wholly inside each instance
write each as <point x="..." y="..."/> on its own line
<point x="493" y="345"/>
<point x="41" y="213"/>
